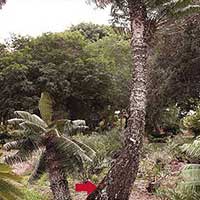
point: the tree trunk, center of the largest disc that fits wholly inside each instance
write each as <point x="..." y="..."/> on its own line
<point x="57" y="178"/>
<point x="118" y="183"/>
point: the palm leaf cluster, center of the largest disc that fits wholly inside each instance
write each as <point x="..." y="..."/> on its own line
<point x="8" y="180"/>
<point x="70" y="153"/>
<point x="159" y="12"/>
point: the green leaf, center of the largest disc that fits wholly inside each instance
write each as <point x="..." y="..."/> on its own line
<point x="32" y="127"/>
<point x="27" y="117"/>
<point x="72" y="156"/>
<point x="87" y="150"/>
<point x="46" y="107"/>
<point x="8" y="180"/>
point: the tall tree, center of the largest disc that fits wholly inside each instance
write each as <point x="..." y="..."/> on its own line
<point x="145" y="18"/>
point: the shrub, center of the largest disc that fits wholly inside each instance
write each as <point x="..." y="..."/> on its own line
<point x="192" y="121"/>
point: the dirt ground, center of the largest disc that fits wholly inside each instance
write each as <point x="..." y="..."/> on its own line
<point x="139" y="190"/>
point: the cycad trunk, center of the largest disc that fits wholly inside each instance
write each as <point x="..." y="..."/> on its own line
<point x="118" y="183"/>
<point x="57" y="178"/>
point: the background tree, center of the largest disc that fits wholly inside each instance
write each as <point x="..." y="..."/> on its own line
<point x="93" y="32"/>
<point x="81" y="75"/>
<point x="174" y="72"/>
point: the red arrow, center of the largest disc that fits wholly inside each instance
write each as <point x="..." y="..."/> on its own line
<point x="87" y="186"/>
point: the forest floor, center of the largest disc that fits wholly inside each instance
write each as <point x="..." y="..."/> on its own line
<point x="139" y="191"/>
<point x="147" y="169"/>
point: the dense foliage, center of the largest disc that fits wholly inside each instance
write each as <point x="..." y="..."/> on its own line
<point x="87" y="71"/>
<point x="81" y="74"/>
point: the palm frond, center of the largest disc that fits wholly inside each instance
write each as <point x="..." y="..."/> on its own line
<point x="8" y="191"/>
<point x="39" y="168"/>
<point x="15" y="121"/>
<point x="67" y="146"/>
<point x="11" y="176"/>
<point x="27" y="117"/>
<point x="13" y="145"/>
<point x="26" y="150"/>
<point x="33" y="128"/>
<point x="30" y="125"/>
<point x="71" y="155"/>
<point x="89" y="151"/>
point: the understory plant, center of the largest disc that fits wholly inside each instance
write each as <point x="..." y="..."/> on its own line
<point x="8" y="184"/>
<point x="192" y="121"/>
<point x="59" y="155"/>
<point x="189" y="186"/>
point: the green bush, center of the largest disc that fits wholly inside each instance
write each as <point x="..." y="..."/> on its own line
<point x="192" y="121"/>
<point x="106" y="146"/>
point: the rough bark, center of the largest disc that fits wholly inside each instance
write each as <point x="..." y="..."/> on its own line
<point x="118" y="183"/>
<point x="57" y="178"/>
